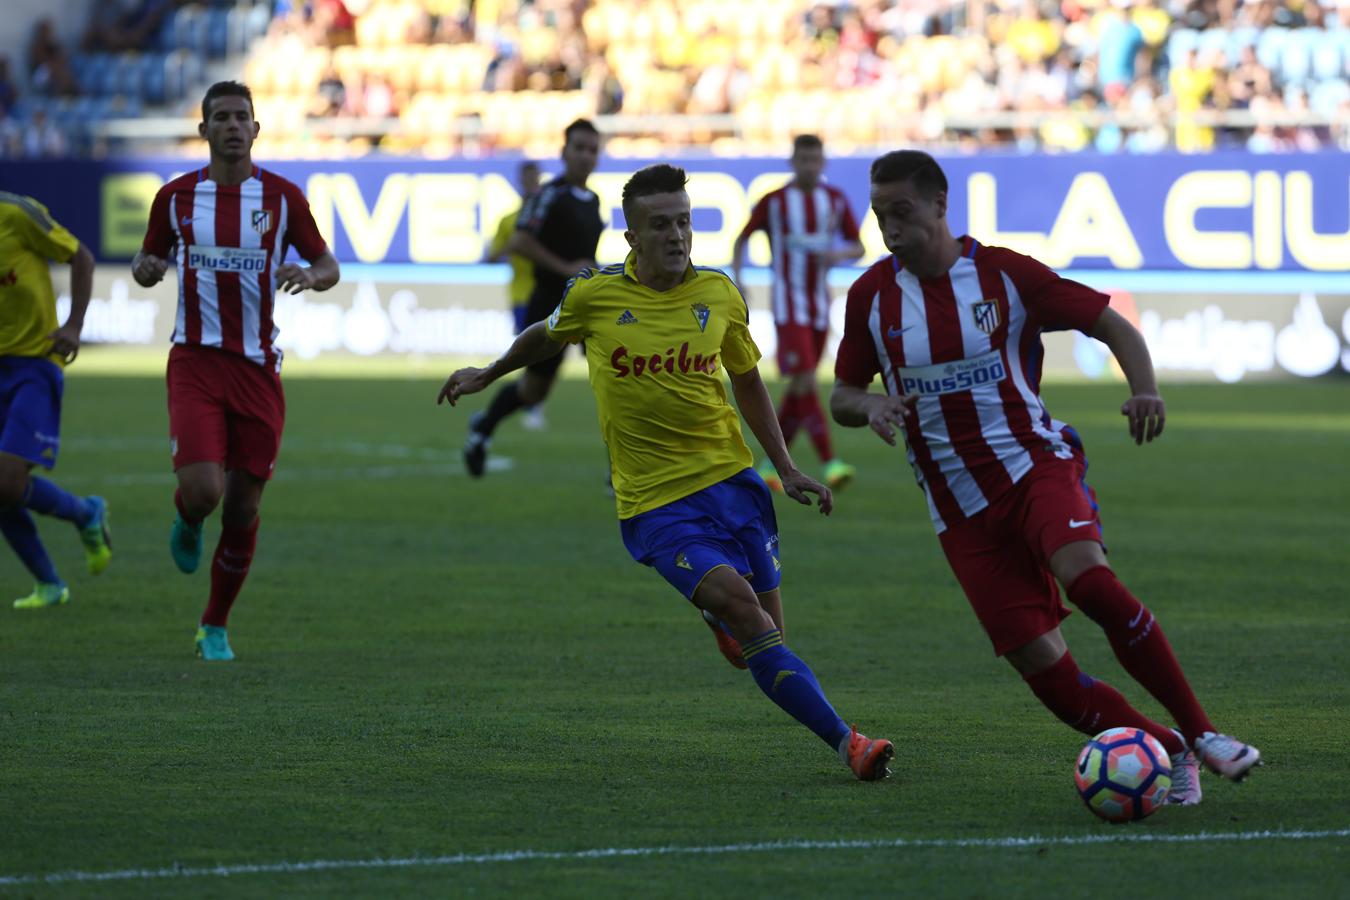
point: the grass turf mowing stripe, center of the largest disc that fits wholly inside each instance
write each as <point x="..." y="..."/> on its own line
<point x="460" y="859"/>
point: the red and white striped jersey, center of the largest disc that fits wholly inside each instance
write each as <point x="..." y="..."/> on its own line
<point x="801" y="225"/>
<point x="969" y="344"/>
<point x="229" y="241"/>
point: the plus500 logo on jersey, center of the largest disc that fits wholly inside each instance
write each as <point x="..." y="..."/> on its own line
<point x="226" y="259"/>
<point x="948" y="378"/>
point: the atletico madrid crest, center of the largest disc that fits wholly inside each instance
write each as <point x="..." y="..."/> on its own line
<point x="262" y="220"/>
<point x="986" y="315"/>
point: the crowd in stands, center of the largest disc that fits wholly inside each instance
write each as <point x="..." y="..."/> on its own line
<point x="742" y="76"/>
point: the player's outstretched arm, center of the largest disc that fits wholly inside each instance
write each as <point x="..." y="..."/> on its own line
<point x="66" y="339"/>
<point x="148" y="269"/>
<point x="531" y="346"/>
<point x="756" y="407"/>
<point x="853" y="407"/>
<point x="1145" y="410"/>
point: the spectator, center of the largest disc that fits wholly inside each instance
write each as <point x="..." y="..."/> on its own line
<point x="42" y="138"/>
<point x="9" y="94"/>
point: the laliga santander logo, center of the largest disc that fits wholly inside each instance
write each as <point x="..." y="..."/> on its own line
<point x="1210" y="340"/>
<point x="1309" y="346"/>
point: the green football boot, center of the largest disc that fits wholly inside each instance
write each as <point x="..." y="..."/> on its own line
<point x="212" y="644"/>
<point x="44" y="595"/>
<point x="185" y="543"/>
<point x="838" y="474"/>
<point x="97" y="537"/>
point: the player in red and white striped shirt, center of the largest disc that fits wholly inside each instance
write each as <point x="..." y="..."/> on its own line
<point x="230" y="225"/>
<point x="810" y="228"/>
<point x="953" y="328"/>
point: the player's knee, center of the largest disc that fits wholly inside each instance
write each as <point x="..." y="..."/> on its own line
<point x="200" y="498"/>
<point x="736" y="605"/>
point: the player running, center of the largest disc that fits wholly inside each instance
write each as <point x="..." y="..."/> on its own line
<point x="522" y="271"/>
<point x="33" y="354"/>
<point x="558" y="230"/>
<point x="954" y="327"/>
<point x="658" y="331"/>
<point x="231" y="224"/>
<point x="810" y="228"/>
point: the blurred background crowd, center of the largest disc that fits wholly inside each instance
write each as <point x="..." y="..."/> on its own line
<point x="730" y="77"/>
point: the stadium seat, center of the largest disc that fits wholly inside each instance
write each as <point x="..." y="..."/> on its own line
<point x="189" y="30"/>
<point x="1296" y="57"/>
<point x="1326" y="98"/>
<point x="152" y="81"/>
<point x="1270" y="47"/>
<point x="217" y="33"/>
<point x="1239" y="38"/>
<point x="1327" y="56"/>
<point x="1182" y="41"/>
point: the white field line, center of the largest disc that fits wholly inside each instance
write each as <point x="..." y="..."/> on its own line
<point x="514" y="856"/>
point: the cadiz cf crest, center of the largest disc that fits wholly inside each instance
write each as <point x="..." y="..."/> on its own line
<point x="986" y="315"/>
<point x="262" y="220"/>
<point x="682" y="562"/>
<point x="701" y="314"/>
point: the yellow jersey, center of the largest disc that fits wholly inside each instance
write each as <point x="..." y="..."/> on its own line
<point x="522" y="270"/>
<point x="655" y="360"/>
<point x="29" y="237"/>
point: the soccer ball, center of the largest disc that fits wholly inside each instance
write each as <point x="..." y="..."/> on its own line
<point x="1123" y="774"/>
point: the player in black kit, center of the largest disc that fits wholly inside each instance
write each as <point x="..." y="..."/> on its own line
<point x="558" y="230"/>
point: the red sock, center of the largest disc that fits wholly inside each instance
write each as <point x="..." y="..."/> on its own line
<point x="789" y="418"/>
<point x="813" y="420"/>
<point x="229" y="568"/>
<point x="178" y="503"/>
<point x="1140" y="645"/>
<point x="1091" y="706"/>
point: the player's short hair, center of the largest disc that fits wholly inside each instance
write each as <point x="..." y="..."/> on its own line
<point x="579" y="126"/>
<point x="807" y="142"/>
<point x="528" y="165"/>
<point x="913" y="166"/>
<point x="225" y="89"/>
<point x="661" y="178"/>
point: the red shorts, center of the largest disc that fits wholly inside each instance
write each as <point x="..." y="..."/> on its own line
<point x="224" y="409"/>
<point x="799" y="348"/>
<point x="1001" y="555"/>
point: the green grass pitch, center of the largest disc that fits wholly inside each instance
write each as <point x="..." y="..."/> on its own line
<point x="429" y="666"/>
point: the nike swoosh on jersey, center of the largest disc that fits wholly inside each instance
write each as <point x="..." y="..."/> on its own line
<point x="894" y="333"/>
<point x="1074" y="523"/>
<point x="1137" y="616"/>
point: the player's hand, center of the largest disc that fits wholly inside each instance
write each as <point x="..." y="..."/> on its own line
<point x="293" y="278"/>
<point x="797" y="485"/>
<point x="461" y="383"/>
<point x="1146" y="414"/>
<point x="887" y="411"/>
<point x="66" y="342"/>
<point x="150" y="269"/>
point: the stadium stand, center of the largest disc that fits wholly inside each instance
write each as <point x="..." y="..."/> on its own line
<point x="438" y="77"/>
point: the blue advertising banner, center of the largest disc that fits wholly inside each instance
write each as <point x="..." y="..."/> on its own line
<point x="1167" y="212"/>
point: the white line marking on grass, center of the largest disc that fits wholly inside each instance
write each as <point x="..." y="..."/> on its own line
<point x="510" y="856"/>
